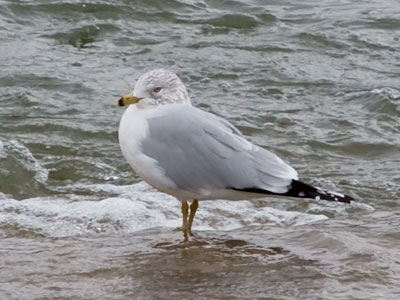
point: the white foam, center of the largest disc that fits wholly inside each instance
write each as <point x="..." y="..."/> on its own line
<point x="3" y="196"/>
<point x="362" y="206"/>
<point x="137" y="207"/>
<point x="337" y="207"/>
<point x="2" y="152"/>
<point x="30" y="163"/>
<point x="392" y="93"/>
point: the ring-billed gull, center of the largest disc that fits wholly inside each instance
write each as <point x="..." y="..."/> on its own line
<point x="194" y="155"/>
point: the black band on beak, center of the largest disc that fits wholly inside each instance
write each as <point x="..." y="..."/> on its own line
<point x="121" y="102"/>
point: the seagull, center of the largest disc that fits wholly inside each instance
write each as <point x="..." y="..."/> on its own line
<point x="194" y="155"/>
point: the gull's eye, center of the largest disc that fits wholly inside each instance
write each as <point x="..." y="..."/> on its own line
<point x="157" y="90"/>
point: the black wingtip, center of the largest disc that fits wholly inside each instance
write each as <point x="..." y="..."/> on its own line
<point x="299" y="189"/>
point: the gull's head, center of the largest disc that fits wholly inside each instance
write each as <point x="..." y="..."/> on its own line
<point x="157" y="87"/>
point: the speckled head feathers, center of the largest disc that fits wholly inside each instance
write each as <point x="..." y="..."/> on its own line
<point x="159" y="87"/>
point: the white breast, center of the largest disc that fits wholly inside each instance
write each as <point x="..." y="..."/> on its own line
<point x="133" y="128"/>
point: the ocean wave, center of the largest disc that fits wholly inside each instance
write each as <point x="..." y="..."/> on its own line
<point x="387" y="92"/>
<point x="134" y="208"/>
<point x="25" y="158"/>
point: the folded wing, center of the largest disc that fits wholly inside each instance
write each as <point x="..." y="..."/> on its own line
<point x="199" y="151"/>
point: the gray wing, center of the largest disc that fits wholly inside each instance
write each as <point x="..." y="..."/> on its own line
<point x="201" y="151"/>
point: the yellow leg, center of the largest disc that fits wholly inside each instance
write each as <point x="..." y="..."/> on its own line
<point x="185" y="211"/>
<point x="193" y="209"/>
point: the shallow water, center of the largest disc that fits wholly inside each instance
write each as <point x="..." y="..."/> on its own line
<point x="315" y="82"/>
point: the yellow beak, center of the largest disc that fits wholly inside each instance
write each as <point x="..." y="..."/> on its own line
<point x="127" y="100"/>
